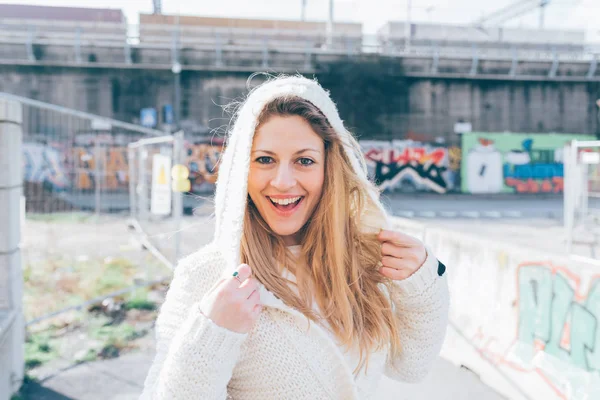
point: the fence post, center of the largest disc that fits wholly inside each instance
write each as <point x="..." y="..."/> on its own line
<point x="98" y="179"/>
<point x="12" y="326"/>
<point x="132" y="181"/>
<point x="177" y="196"/>
<point x="142" y="187"/>
<point x="568" y="206"/>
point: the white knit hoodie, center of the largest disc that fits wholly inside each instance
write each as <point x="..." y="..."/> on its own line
<point x="283" y="357"/>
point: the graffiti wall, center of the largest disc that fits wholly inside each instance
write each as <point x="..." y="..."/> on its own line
<point x="514" y="162"/>
<point x="58" y="168"/>
<point x="533" y="316"/>
<point x="398" y="165"/>
<point x="408" y="166"/>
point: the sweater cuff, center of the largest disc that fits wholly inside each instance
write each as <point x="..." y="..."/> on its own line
<point x="422" y="279"/>
<point x="203" y="342"/>
<point x="202" y="329"/>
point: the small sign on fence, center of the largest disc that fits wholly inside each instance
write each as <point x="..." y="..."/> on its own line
<point x="160" y="197"/>
<point x="462" y="127"/>
<point x="148" y="117"/>
<point x="588" y="157"/>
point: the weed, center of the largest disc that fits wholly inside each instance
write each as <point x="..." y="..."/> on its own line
<point x="39" y="350"/>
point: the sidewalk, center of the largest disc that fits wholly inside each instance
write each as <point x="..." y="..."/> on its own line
<point x="123" y="379"/>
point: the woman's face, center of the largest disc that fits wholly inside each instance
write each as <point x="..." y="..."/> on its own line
<point x="287" y="170"/>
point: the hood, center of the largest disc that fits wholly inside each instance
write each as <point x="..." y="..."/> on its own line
<point x="232" y="182"/>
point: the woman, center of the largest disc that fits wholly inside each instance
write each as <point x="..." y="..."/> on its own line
<point x="301" y="294"/>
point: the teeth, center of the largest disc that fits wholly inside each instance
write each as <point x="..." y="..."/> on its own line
<point x="285" y="202"/>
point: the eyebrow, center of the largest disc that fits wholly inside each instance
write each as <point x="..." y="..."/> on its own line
<point x="298" y="152"/>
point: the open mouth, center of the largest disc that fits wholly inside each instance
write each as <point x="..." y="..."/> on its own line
<point x="286" y="204"/>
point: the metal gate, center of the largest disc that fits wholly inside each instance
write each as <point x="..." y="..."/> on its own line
<point x="155" y="208"/>
<point x="582" y="199"/>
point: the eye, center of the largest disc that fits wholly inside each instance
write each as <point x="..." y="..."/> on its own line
<point x="305" y="162"/>
<point x="264" y="160"/>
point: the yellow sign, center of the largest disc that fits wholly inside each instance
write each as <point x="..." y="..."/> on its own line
<point x="180" y="172"/>
<point x="180" y="175"/>
<point x="160" y="196"/>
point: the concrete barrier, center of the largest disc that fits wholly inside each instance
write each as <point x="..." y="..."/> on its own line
<point x="12" y="326"/>
<point x="525" y="321"/>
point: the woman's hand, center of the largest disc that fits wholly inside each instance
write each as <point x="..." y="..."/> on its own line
<point x="402" y="255"/>
<point x="234" y="304"/>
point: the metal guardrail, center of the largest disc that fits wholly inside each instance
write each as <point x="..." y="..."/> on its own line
<point x="159" y="46"/>
<point x="80" y="114"/>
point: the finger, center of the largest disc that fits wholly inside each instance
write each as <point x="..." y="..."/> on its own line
<point x="254" y="298"/>
<point x="394" y="274"/>
<point x="393" y="250"/>
<point x="398" y="238"/>
<point x="257" y="310"/>
<point x="243" y="272"/>
<point x="247" y="287"/>
<point x="403" y="253"/>
<point x="393" y="262"/>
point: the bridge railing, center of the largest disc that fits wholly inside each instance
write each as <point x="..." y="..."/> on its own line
<point x="163" y="44"/>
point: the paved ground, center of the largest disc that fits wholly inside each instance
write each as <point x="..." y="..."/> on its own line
<point x="123" y="379"/>
<point x="497" y="206"/>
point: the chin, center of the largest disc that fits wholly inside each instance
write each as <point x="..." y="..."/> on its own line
<point x="286" y="230"/>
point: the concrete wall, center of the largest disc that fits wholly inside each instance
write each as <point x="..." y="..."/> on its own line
<point x="525" y="321"/>
<point x="466" y="33"/>
<point x="399" y="105"/>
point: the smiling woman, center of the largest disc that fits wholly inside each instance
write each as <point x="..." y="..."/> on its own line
<point x="303" y="288"/>
<point x="286" y="173"/>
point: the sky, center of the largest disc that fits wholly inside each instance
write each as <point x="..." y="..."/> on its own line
<point x="560" y="14"/>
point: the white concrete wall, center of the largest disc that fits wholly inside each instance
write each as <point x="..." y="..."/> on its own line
<point x="448" y="32"/>
<point x="525" y="321"/>
<point x="12" y="327"/>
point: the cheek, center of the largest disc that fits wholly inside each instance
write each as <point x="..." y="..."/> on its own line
<point x="316" y="182"/>
<point x="255" y="183"/>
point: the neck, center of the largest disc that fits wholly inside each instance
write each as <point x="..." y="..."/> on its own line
<point x="291" y="240"/>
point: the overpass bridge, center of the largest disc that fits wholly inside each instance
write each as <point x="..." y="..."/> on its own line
<point x="162" y="44"/>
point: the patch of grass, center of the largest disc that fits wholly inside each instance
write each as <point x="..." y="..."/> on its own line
<point x="139" y="301"/>
<point x="61" y="217"/>
<point x="115" y="338"/>
<point x="89" y="356"/>
<point x="53" y="284"/>
<point x="39" y="349"/>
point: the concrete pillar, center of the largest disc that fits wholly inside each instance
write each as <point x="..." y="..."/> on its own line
<point x="12" y="326"/>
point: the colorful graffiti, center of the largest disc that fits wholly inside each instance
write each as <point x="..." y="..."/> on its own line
<point x="558" y="320"/>
<point x="398" y="165"/>
<point x="202" y="161"/>
<point x="513" y="162"/>
<point x="408" y="166"/>
<point x="59" y="169"/>
<point x="44" y="164"/>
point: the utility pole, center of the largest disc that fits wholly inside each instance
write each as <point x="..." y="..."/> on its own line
<point x="303" y="10"/>
<point x="330" y="25"/>
<point x="543" y="5"/>
<point x="408" y="29"/>
<point x="157" y="6"/>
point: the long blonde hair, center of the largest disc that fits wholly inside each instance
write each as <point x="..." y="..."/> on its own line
<point x="340" y="259"/>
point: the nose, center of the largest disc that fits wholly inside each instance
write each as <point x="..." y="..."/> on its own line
<point x="284" y="178"/>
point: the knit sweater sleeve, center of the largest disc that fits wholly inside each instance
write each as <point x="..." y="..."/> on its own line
<point x="421" y="304"/>
<point x="194" y="356"/>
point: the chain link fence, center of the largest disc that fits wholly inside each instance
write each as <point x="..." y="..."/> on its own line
<point x="76" y="247"/>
